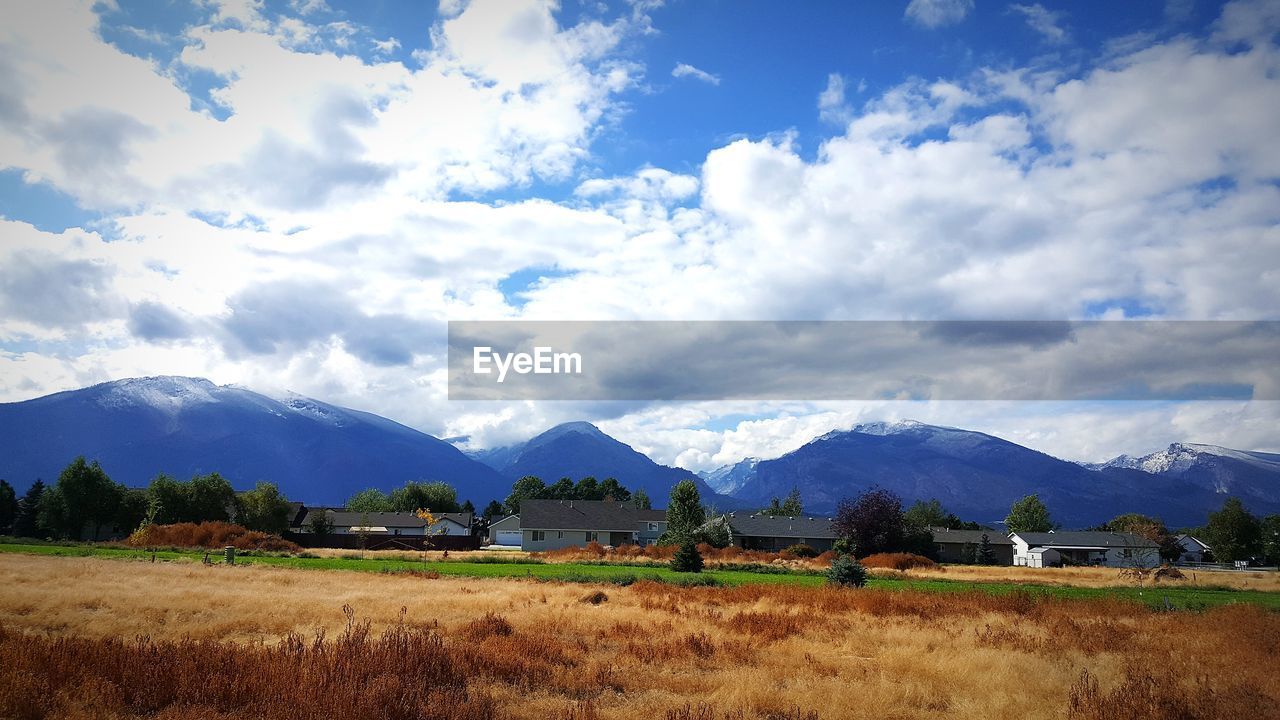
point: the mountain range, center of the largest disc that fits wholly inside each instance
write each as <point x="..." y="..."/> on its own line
<point x="322" y="453"/>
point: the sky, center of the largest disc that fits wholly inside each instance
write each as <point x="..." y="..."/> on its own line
<point x="300" y="194"/>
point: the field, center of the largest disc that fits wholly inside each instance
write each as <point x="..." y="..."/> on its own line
<point x="494" y="647"/>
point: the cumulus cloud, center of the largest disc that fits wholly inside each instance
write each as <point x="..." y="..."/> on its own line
<point x="937" y="13"/>
<point x="685" y="70"/>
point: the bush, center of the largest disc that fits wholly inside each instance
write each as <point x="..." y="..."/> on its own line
<point x="799" y="550"/>
<point x="846" y="572"/>
<point x="687" y="558"/>
<point x="210" y="535"/>
<point x="898" y="561"/>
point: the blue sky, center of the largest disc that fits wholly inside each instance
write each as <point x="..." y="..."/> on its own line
<point x="298" y="194"/>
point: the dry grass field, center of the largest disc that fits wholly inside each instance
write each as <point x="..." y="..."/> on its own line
<point x="240" y="642"/>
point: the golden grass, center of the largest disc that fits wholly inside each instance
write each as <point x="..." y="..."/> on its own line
<point x="653" y="651"/>
<point x="1095" y="577"/>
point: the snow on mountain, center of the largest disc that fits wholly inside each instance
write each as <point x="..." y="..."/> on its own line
<point x="728" y="479"/>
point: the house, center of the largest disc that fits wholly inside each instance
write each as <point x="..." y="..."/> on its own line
<point x="1194" y="549"/>
<point x="1110" y="549"/>
<point x="505" y="532"/>
<point x="554" y="524"/>
<point x="347" y="522"/>
<point x="773" y="533"/>
<point x="961" y="546"/>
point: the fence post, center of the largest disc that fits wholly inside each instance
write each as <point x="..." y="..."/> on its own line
<point x="229" y="554"/>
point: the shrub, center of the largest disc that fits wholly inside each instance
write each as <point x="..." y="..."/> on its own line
<point x="897" y="561"/>
<point x="687" y="558"/>
<point x="846" y="572"/>
<point x="210" y="535"/>
<point x="799" y="550"/>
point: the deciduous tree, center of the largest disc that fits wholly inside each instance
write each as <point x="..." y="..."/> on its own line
<point x="1233" y="532"/>
<point x="1028" y="515"/>
<point x="873" y="522"/>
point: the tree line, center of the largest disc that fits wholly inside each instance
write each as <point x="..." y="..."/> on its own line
<point x="85" y="500"/>
<point x="530" y="487"/>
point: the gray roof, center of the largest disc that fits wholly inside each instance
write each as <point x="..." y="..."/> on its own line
<point x="500" y="521"/>
<point x="348" y="518"/>
<point x="781" y="526"/>
<point x="1086" y="538"/>
<point x="651" y="515"/>
<point x="582" y="515"/>
<point x="947" y="535"/>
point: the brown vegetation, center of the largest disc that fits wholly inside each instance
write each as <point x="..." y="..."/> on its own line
<point x="522" y="649"/>
<point x="208" y="535"/>
<point x="898" y="561"/>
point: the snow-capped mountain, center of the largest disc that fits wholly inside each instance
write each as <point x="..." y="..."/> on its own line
<point x="315" y="452"/>
<point x="728" y="479"/>
<point x="1248" y="475"/>
<point x="978" y="476"/>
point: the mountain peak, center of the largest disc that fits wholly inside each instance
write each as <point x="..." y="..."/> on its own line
<point x="580" y="427"/>
<point x="162" y="392"/>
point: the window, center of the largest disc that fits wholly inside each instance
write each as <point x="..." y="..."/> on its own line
<point x="539" y="535"/>
<point x="592" y="536"/>
<point x="653" y="527"/>
<point x="559" y="534"/>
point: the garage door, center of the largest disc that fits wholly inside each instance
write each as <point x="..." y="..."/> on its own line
<point x="508" y="537"/>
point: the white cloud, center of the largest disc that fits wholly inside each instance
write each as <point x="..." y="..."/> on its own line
<point x="937" y="13"/>
<point x="1044" y="21"/>
<point x="685" y="70"/>
<point x="832" y="105"/>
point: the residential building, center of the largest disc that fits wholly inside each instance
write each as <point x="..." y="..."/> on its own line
<point x="962" y="546"/>
<point x="505" y="532"/>
<point x="1194" y="549"/>
<point x="1109" y="549"/>
<point x="554" y="524"/>
<point x="773" y="533"/>
<point x="347" y="522"/>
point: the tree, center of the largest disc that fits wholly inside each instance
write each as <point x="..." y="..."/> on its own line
<point x="83" y="497"/>
<point x="931" y="513"/>
<point x="587" y="489"/>
<point x="1233" y="532"/>
<point x="1148" y="528"/>
<point x="211" y="498"/>
<point x="562" y="489"/>
<point x="439" y="497"/>
<point x="492" y="511"/>
<point x="8" y="507"/>
<point x="716" y="532"/>
<point x="684" y="513"/>
<point x="611" y="489"/>
<point x="369" y="501"/>
<point x="133" y="511"/>
<point x="873" y="522"/>
<point x="1271" y="540"/>
<point x="467" y="507"/>
<point x="1028" y="515"/>
<point x="168" y="501"/>
<point x="27" y="522"/>
<point x="846" y="571"/>
<point x="640" y="499"/>
<point x="526" y="487"/>
<point x="687" y="558"/>
<point x="319" y="522"/>
<point x="986" y="554"/>
<point x="264" y="508"/>
<point x="790" y="507"/>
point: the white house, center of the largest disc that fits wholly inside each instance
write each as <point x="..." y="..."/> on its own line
<point x="505" y="532"/>
<point x="1193" y="549"/>
<point x="1109" y="549"/>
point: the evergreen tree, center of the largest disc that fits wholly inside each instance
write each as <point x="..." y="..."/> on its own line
<point x="1271" y="540"/>
<point x="319" y="522"/>
<point x="687" y="558"/>
<point x="1028" y="515"/>
<point x="611" y="489"/>
<point x="8" y="507"/>
<point x="492" y="511"/>
<point x="27" y="521"/>
<point x="467" y="507"/>
<point x="791" y="507"/>
<point x="986" y="554"/>
<point x="846" y="571"/>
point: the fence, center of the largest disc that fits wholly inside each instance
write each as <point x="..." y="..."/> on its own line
<point x="385" y="542"/>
